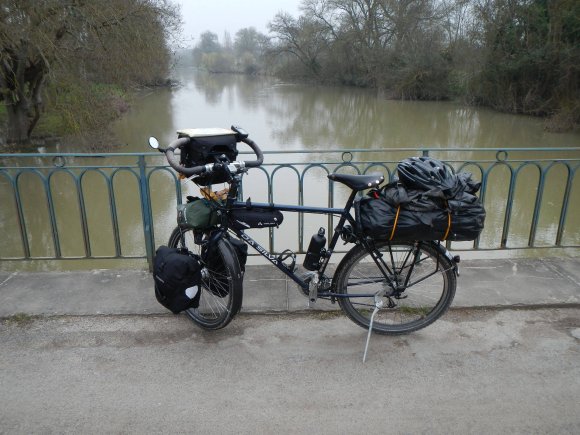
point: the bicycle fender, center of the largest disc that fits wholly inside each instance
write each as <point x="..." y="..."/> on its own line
<point x="454" y="259"/>
<point x="219" y="241"/>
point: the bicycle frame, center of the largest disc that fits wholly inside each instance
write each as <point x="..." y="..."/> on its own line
<point x="345" y="217"/>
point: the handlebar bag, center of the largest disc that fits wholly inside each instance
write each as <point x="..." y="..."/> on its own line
<point x="177" y="276"/>
<point x="206" y="146"/>
<point x="197" y="214"/>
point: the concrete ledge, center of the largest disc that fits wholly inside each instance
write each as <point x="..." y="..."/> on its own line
<point x="482" y="283"/>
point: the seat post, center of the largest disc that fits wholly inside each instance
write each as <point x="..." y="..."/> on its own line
<point x="350" y="200"/>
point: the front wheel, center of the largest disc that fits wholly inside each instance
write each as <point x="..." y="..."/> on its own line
<point x="221" y="286"/>
<point x="415" y="284"/>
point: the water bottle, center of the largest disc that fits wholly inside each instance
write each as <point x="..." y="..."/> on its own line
<point x="317" y="243"/>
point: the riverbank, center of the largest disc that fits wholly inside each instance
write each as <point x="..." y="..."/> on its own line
<point x="85" y="127"/>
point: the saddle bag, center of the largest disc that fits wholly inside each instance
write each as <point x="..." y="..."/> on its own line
<point x="177" y="276"/>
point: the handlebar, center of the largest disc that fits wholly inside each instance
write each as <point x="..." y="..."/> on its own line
<point x="203" y="169"/>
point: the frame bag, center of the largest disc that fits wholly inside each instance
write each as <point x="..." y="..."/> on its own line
<point x="177" y="275"/>
<point x="246" y="218"/>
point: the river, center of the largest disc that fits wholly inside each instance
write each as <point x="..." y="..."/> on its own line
<point x="281" y="116"/>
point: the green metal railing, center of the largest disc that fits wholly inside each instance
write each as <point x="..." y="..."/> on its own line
<point x="507" y="176"/>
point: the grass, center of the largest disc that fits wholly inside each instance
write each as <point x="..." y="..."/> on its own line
<point x="18" y="319"/>
<point x="421" y="311"/>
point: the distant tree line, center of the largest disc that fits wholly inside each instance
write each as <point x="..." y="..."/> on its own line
<point x="519" y="56"/>
<point x="70" y="61"/>
<point x="245" y="54"/>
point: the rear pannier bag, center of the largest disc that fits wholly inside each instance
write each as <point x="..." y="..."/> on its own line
<point x="398" y="213"/>
<point x="244" y="218"/>
<point x="177" y="275"/>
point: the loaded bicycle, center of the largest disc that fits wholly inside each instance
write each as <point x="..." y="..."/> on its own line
<point x="389" y="285"/>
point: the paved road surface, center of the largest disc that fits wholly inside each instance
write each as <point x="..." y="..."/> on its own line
<point x="474" y="371"/>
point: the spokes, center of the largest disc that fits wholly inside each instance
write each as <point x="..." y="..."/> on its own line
<point x="211" y="306"/>
<point x="213" y="301"/>
<point x="220" y="294"/>
<point x="411" y="281"/>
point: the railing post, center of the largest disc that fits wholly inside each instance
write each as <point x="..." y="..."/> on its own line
<point x="146" y="212"/>
<point x="508" y="210"/>
<point x="537" y="205"/>
<point x="21" y="221"/>
<point x="565" y="202"/>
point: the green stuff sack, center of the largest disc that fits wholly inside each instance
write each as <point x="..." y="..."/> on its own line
<point x="198" y="214"/>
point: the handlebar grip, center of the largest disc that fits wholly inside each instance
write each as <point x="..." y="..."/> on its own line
<point x="174" y="162"/>
<point x="197" y="170"/>
<point x="257" y="150"/>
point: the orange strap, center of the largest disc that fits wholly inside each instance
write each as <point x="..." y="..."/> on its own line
<point x="397" y="220"/>
<point x="395" y="225"/>
<point x="448" y="225"/>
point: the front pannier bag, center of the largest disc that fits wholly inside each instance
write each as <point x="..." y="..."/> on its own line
<point x="444" y="209"/>
<point x="177" y="275"/>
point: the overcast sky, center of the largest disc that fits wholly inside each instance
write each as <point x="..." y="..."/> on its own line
<point x="219" y="16"/>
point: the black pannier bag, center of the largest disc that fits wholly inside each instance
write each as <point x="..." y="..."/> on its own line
<point x="177" y="275"/>
<point x="208" y="145"/>
<point x="400" y="213"/>
<point x="246" y="218"/>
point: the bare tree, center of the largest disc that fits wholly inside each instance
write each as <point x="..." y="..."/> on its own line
<point x="105" y="40"/>
<point x="303" y="38"/>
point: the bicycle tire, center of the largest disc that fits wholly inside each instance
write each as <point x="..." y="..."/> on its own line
<point x="432" y="283"/>
<point x="221" y="291"/>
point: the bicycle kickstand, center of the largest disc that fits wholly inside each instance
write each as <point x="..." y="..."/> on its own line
<point x="378" y="306"/>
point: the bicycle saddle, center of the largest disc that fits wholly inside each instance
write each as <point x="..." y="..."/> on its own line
<point x="359" y="182"/>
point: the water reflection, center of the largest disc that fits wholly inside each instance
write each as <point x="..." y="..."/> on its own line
<point x="289" y="116"/>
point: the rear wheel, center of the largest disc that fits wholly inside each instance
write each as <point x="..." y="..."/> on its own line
<point x="221" y="287"/>
<point x="419" y="289"/>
